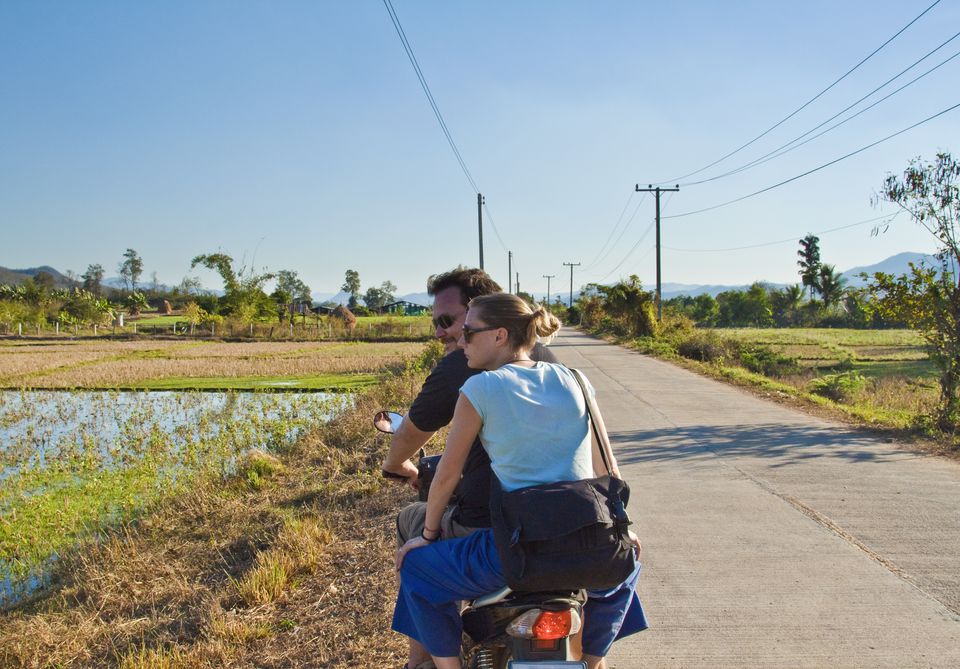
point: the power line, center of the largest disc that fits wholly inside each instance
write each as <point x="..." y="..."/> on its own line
<point x="805" y="104"/>
<point x="793" y="240"/>
<point x="781" y="150"/>
<point x="632" y="249"/>
<point x="626" y="226"/>
<point x="815" y="169"/>
<point x="614" y="229"/>
<point x="426" y="89"/>
<point x="493" y="225"/>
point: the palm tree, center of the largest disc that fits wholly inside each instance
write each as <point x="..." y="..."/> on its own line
<point x="831" y="285"/>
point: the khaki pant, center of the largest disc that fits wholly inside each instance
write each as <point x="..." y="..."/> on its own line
<point x="411" y="518"/>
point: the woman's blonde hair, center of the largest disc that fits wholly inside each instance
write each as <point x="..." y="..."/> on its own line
<point x="524" y="325"/>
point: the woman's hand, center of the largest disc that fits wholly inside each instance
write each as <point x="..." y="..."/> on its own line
<point x="416" y="542"/>
<point x="635" y="540"/>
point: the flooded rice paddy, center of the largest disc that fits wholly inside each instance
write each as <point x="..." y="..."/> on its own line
<point x="72" y="462"/>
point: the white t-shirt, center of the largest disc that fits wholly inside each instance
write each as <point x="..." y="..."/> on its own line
<point x="534" y="423"/>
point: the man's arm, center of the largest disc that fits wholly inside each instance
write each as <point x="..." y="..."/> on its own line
<point x="404" y="443"/>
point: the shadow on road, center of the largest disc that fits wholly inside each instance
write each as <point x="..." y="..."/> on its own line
<point x="789" y="444"/>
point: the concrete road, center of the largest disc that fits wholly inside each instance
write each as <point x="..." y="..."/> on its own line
<point x="773" y="538"/>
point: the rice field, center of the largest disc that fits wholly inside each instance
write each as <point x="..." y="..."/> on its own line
<point x="71" y="463"/>
<point x="898" y="383"/>
<point x="172" y="364"/>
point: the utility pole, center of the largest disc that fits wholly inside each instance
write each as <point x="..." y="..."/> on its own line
<point x="657" y="191"/>
<point x="510" y="271"/>
<point x="548" y="277"/>
<point x="480" y="202"/>
<point x="518" y="283"/>
<point x="571" y="265"/>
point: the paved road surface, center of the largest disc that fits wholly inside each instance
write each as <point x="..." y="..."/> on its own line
<point x="772" y="538"/>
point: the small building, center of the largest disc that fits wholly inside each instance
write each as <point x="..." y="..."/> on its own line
<point x="404" y="308"/>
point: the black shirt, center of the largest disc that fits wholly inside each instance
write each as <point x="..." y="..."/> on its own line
<point x="433" y="409"/>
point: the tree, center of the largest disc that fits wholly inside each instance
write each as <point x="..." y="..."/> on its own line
<point x="785" y="305"/>
<point x="928" y="299"/>
<point x="243" y="291"/>
<point x="351" y="284"/>
<point x="810" y="263"/>
<point x="751" y="307"/>
<point x="830" y="285"/>
<point x="135" y="303"/>
<point x="130" y="269"/>
<point x="92" y="278"/>
<point x="376" y="298"/>
<point x="631" y="305"/>
<point x="288" y="282"/>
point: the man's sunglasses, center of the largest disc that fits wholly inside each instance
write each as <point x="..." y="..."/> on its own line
<point x="443" y="321"/>
<point x="468" y="331"/>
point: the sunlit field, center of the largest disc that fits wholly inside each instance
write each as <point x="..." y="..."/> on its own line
<point x="171" y="364"/>
<point x="899" y="381"/>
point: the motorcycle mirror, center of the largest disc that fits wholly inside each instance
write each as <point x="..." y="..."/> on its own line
<point x="387" y="421"/>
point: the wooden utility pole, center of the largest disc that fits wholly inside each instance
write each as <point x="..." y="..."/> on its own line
<point x="657" y="191"/>
<point x="548" y="277"/>
<point x="510" y="272"/>
<point x="480" y="202"/>
<point x="571" y="265"/>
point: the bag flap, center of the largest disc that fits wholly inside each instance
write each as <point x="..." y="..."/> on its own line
<point x="554" y="510"/>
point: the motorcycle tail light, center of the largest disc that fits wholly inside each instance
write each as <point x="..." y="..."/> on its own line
<point x="539" y="624"/>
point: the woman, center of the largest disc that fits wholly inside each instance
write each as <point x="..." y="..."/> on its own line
<point x="531" y="419"/>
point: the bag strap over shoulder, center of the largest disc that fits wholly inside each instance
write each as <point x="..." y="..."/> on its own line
<point x="596" y="421"/>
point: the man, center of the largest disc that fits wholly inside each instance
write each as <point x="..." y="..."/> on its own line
<point x="433" y="409"/>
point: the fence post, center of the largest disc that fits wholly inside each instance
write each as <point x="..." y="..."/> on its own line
<point x="58" y="327"/>
<point x="94" y="329"/>
<point x="251" y="330"/>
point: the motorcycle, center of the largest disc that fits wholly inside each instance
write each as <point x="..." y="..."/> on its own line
<point x="507" y="629"/>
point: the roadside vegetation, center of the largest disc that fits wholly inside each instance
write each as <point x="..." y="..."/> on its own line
<point x="281" y="561"/>
<point x="887" y="354"/>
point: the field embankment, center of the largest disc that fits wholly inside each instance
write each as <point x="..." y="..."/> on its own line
<point x="285" y="562"/>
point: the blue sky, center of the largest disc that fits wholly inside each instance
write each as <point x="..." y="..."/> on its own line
<point x="294" y="135"/>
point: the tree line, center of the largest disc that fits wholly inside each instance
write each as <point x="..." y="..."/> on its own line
<point x="39" y="301"/>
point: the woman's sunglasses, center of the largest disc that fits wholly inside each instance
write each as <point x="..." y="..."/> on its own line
<point x="468" y="331"/>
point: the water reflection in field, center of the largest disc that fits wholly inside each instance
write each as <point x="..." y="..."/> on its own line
<point x="74" y="460"/>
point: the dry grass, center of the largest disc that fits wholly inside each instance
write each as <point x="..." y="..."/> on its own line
<point x="121" y="363"/>
<point x="295" y="571"/>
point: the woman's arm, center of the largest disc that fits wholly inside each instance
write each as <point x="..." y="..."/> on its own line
<point x="598" y="468"/>
<point x="463" y="431"/>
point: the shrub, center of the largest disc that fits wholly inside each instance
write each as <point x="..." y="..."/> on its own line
<point x="764" y="360"/>
<point x="838" y="387"/>
<point x="705" y="346"/>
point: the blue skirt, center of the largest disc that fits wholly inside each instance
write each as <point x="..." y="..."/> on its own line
<point x="435" y="578"/>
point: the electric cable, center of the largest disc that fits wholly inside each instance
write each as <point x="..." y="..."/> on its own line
<point x="815" y="169"/>
<point x="805" y="104"/>
<point x="888" y="217"/>
<point x="783" y="149"/>
<point x="426" y="89"/>
<point x="614" y="229"/>
<point x="626" y="226"/>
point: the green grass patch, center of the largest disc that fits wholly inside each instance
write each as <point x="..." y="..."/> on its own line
<point x="155" y="320"/>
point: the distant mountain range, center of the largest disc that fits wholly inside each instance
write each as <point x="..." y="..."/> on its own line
<point x="18" y="276"/>
<point x="898" y="264"/>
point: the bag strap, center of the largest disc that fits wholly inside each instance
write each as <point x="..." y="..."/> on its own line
<point x="593" y="411"/>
